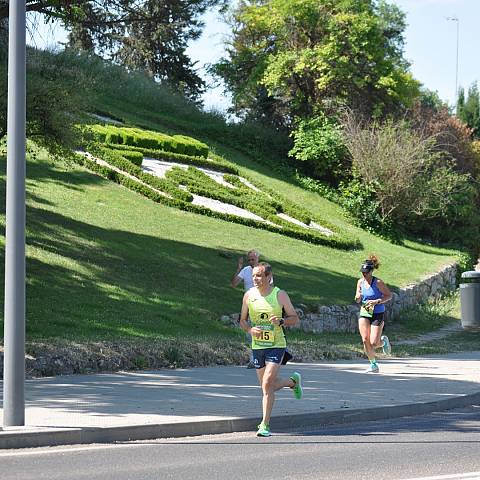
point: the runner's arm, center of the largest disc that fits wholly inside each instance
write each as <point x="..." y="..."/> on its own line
<point x="244" y="314"/>
<point x="290" y="317"/>
<point x="358" y="293"/>
<point x="237" y="276"/>
<point x="254" y="331"/>
<point x="386" y="293"/>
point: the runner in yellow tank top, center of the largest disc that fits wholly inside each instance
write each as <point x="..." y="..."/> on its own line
<point x="265" y="303"/>
<point x="261" y="309"/>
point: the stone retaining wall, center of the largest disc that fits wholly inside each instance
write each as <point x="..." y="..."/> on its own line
<point x="336" y="318"/>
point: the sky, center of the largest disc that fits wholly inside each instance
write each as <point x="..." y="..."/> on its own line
<point x="430" y="45"/>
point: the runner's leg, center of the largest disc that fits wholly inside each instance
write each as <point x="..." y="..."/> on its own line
<point x="365" y="332"/>
<point x="269" y="382"/>
<point x="375" y="336"/>
<point x="284" y="382"/>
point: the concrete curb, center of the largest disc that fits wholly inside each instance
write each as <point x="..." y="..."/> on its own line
<point x="71" y="436"/>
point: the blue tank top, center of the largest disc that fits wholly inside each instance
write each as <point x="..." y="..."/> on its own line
<point x="372" y="293"/>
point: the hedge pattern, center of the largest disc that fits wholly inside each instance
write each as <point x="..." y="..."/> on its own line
<point x="181" y="199"/>
<point x="135" y="157"/>
<point x="124" y="148"/>
<point x="114" y="157"/>
<point x="337" y="241"/>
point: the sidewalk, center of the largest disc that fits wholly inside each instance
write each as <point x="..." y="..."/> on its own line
<point x="167" y="403"/>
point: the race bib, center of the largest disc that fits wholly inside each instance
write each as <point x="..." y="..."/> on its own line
<point x="366" y="312"/>
<point x="267" y="338"/>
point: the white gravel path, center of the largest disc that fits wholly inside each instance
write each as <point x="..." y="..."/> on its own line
<point x="159" y="168"/>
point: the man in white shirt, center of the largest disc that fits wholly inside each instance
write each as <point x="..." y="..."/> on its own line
<point x="244" y="274"/>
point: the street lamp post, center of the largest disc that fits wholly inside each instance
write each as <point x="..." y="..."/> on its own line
<point x="14" y="330"/>
<point x="455" y="19"/>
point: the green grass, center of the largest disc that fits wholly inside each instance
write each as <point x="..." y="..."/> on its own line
<point x="402" y="264"/>
<point x="104" y="263"/>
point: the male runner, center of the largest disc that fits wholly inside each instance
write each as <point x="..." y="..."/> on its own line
<point x="264" y="304"/>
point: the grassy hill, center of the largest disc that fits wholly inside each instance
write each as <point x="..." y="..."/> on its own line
<point x="105" y="263"/>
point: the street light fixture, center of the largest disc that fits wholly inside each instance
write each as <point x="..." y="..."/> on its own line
<point x="455" y="19"/>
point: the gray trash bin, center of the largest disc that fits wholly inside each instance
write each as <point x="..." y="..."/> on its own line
<point x="470" y="300"/>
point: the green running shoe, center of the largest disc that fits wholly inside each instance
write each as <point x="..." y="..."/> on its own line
<point x="387" y="348"/>
<point x="297" y="388"/>
<point x="263" y="430"/>
<point x="372" y="368"/>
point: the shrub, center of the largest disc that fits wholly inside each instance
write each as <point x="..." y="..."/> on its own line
<point x="359" y="199"/>
<point x="215" y="163"/>
<point x="116" y="158"/>
<point x="401" y="180"/>
<point x="475" y="146"/>
<point x="318" y="142"/>
<point x="392" y="160"/>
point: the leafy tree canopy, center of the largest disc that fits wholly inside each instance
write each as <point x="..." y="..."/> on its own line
<point x="468" y="110"/>
<point x="289" y="58"/>
<point x="148" y="35"/>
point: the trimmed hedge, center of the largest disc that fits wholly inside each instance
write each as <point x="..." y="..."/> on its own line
<point x="149" y="139"/>
<point x="132" y="156"/>
<point x="219" y="166"/>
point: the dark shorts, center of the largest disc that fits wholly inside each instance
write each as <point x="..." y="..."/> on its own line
<point x="376" y="320"/>
<point x="267" y="355"/>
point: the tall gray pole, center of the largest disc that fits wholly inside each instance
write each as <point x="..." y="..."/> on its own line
<point x="14" y="338"/>
<point x="455" y="19"/>
<point x="456" y="66"/>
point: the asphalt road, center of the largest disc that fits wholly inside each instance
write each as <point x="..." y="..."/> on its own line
<point x="441" y="446"/>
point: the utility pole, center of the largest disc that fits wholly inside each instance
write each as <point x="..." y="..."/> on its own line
<point x="14" y="334"/>
<point x="455" y="19"/>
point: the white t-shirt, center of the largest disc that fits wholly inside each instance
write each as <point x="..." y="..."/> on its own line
<point x="246" y="275"/>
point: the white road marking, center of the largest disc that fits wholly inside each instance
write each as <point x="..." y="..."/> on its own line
<point x="471" y="476"/>
<point x="65" y="449"/>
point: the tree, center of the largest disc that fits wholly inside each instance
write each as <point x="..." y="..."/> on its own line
<point x="460" y="102"/>
<point x="148" y="35"/>
<point x="289" y="58"/>
<point x="318" y="143"/>
<point x="469" y="110"/>
<point x="452" y="135"/>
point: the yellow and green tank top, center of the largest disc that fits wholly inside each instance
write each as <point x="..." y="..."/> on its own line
<point x="260" y="309"/>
